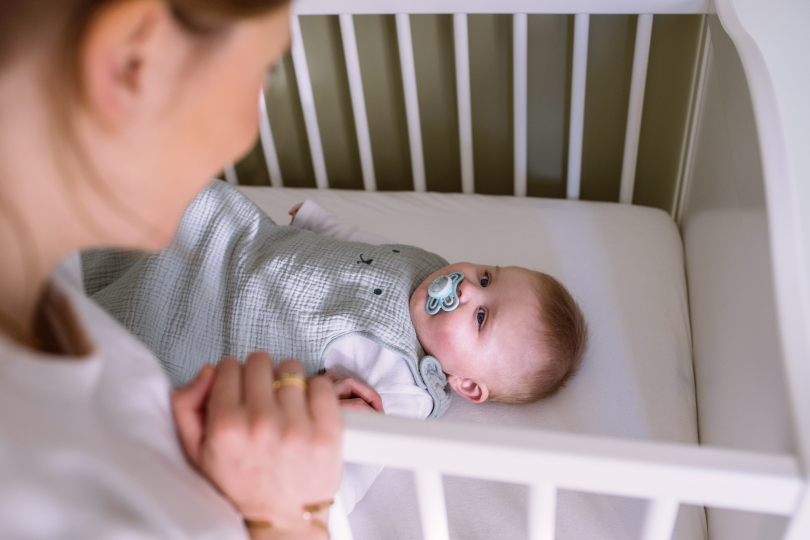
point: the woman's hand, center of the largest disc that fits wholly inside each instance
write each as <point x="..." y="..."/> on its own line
<point x="354" y="395"/>
<point x="294" y="210"/>
<point x="271" y="452"/>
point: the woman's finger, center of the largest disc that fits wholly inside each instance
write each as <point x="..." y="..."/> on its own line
<point x="323" y="404"/>
<point x="259" y="385"/>
<point x="225" y="400"/>
<point x="188" y="407"/>
<point x="291" y="398"/>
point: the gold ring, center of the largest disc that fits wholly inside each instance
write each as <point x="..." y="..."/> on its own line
<point x="315" y="508"/>
<point x="290" y="379"/>
<point x="257" y="524"/>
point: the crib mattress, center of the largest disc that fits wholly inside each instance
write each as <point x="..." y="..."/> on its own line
<point x="624" y="264"/>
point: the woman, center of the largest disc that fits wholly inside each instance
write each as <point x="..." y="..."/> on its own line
<point x="113" y="116"/>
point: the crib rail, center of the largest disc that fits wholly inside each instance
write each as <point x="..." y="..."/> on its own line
<point x="519" y="10"/>
<point x="666" y="474"/>
<point x="371" y="7"/>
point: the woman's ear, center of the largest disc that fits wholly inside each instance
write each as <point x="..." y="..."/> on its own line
<point x="118" y="57"/>
<point x="475" y="392"/>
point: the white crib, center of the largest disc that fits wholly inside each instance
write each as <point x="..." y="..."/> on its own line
<point x="755" y="449"/>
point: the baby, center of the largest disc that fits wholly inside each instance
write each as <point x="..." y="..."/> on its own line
<point x="516" y="336"/>
<point x="339" y="300"/>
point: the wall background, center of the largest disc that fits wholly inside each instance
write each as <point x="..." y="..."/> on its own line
<point x="671" y="79"/>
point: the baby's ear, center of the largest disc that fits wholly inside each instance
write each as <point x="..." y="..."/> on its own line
<point x="475" y="392"/>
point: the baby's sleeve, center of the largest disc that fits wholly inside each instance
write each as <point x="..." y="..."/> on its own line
<point x="313" y="217"/>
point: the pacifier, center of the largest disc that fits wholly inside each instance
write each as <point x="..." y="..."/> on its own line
<point x="442" y="293"/>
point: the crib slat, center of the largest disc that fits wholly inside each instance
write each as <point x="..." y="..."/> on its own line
<point x="660" y="520"/>
<point x="268" y="144"/>
<point x="462" y="47"/>
<point x="580" y="67"/>
<point x="230" y="174"/>
<point x="520" y="56"/>
<point x="304" y="81"/>
<point x="638" y="82"/>
<point x="406" y="61"/>
<point x="358" y="100"/>
<point x="432" y="508"/>
<point x="542" y="512"/>
<point x="684" y="180"/>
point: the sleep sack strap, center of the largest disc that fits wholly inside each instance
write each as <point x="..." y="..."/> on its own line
<point x="436" y="384"/>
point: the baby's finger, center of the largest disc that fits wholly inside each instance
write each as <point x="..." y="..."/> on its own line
<point x="357" y="405"/>
<point x="333" y="377"/>
<point x="259" y="385"/>
<point x="291" y="396"/>
<point x="349" y="387"/>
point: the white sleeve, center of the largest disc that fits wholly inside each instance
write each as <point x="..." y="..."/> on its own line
<point x="313" y="217"/>
<point x="387" y="373"/>
<point x="383" y="370"/>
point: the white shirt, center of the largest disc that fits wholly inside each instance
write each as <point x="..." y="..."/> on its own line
<point x="88" y="447"/>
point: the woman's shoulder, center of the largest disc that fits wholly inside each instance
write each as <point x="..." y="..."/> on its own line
<point x="107" y="337"/>
<point x="105" y="415"/>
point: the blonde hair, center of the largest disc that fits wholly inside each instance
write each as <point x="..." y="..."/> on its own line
<point x="561" y="340"/>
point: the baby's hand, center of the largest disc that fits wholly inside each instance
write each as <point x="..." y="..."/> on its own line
<point x="294" y="210"/>
<point x="354" y="395"/>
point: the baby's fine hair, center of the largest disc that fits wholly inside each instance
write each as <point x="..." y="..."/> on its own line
<point x="561" y="339"/>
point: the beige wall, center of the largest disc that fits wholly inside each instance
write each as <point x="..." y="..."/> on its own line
<point x="667" y="106"/>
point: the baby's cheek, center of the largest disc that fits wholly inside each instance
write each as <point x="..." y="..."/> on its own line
<point x="450" y="337"/>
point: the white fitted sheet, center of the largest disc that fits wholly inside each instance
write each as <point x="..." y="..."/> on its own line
<point x="624" y="264"/>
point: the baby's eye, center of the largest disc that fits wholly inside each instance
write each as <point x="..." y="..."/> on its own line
<point x="485" y="280"/>
<point x="480" y="316"/>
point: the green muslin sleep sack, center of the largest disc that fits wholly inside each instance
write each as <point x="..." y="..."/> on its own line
<point x="233" y="282"/>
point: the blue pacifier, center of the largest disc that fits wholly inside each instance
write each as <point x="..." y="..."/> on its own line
<point x="442" y="293"/>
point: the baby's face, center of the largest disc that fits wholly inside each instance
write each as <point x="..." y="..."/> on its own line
<point x="483" y="342"/>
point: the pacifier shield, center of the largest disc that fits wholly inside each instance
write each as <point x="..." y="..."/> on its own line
<point x="442" y="293"/>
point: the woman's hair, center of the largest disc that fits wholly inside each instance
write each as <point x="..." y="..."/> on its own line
<point x="27" y="22"/>
<point x="54" y="30"/>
